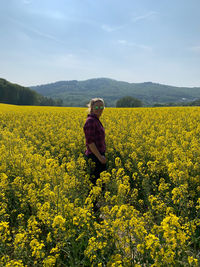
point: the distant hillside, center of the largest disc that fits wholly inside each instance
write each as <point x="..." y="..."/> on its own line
<point x="15" y="94"/>
<point x="78" y="93"/>
<point x="11" y="93"/>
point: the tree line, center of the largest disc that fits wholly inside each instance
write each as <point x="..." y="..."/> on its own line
<point x="132" y="102"/>
<point x="18" y="95"/>
<point x="129" y="101"/>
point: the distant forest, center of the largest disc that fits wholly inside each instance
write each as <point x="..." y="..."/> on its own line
<point x="18" y="95"/>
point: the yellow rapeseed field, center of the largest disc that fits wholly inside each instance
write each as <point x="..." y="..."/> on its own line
<point x="151" y="205"/>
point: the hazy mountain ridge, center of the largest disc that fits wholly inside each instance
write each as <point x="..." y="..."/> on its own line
<point x="78" y="93"/>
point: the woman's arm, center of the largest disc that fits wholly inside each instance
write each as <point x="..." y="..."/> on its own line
<point x="95" y="151"/>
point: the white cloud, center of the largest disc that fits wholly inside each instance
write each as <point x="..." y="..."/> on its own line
<point x="65" y="61"/>
<point x="50" y="14"/>
<point x="59" y="16"/>
<point x="195" y="48"/>
<point x="32" y="30"/>
<point x="55" y="15"/>
<point x="45" y="35"/>
<point x="27" y="1"/>
<point x="124" y="42"/>
<point x="140" y="46"/>
<point x="148" y="15"/>
<point x="108" y="28"/>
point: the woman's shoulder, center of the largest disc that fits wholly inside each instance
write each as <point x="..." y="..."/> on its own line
<point x="89" y="121"/>
<point x="91" y="118"/>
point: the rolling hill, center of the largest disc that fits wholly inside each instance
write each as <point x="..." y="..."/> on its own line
<point x="78" y="93"/>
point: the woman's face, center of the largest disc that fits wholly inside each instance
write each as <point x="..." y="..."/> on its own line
<point x="98" y="108"/>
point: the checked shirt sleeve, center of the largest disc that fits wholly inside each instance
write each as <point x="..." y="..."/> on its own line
<point x="89" y="130"/>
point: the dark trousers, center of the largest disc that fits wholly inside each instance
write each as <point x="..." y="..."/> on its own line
<point x="96" y="167"/>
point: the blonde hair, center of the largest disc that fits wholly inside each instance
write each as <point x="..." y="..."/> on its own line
<point x="93" y="101"/>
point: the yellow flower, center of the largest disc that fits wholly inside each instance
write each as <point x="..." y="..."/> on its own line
<point x="4" y="232"/>
<point x="37" y="248"/>
<point x="58" y="221"/>
<point x="49" y="261"/>
<point x="192" y="261"/>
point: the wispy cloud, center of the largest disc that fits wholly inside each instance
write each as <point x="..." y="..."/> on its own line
<point x="50" y="14"/>
<point x="59" y="16"/>
<point x="123" y="42"/>
<point x="54" y="14"/>
<point x="109" y="28"/>
<point x="131" y="44"/>
<point x="65" y="60"/>
<point x="146" y="16"/>
<point x="26" y="1"/>
<point x="195" y="48"/>
<point x="44" y="35"/>
<point x="33" y="30"/>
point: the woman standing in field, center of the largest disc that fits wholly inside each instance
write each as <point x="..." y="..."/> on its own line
<point x="95" y="138"/>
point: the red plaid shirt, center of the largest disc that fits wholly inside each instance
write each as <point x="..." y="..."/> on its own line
<point x="94" y="133"/>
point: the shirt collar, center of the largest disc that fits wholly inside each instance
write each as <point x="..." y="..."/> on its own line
<point x="93" y="115"/>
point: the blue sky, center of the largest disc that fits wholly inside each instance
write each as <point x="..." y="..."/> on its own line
<point x="43" y="41"/>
